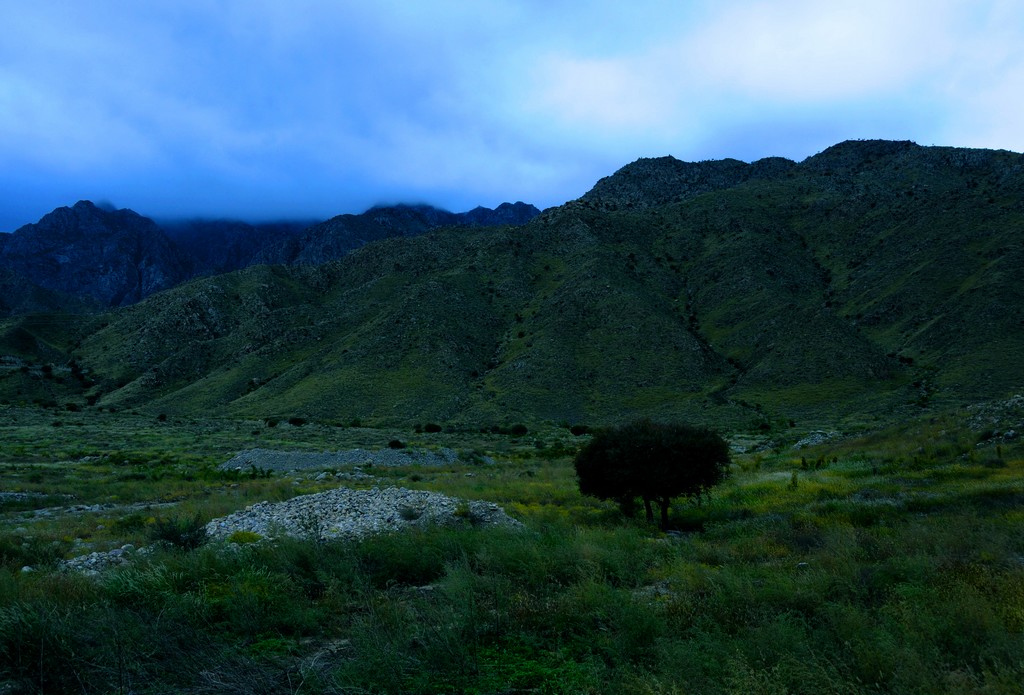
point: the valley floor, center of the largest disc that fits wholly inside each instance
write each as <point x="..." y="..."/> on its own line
<point x="890" y="562"/>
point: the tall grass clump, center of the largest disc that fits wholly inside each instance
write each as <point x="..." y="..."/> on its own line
<point x="186" y="533"/>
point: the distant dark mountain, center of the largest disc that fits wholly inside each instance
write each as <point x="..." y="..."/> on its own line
<point x="872" y="282"/>
<point x="505" y="214"/>
<point x="339" y="235"/>
<point x="116" y="257"/>
<point x="220" y="246"/>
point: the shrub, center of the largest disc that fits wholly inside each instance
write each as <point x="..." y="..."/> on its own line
<point x="244" y="537"/>
<point x="409" y="513"/>
<point x="652" y="461"/>
<point x="18" y="551"/>
<point x="516" y="430"/>
<point x="187" y="534"/>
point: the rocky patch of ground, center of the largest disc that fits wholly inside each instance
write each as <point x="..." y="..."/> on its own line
<point x="347" y="513"/>
<point x="263" y="460"/>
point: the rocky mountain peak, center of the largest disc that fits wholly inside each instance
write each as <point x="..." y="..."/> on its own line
<point x="114" y="256"/>
<point x="648" y="183"/>
<point x="851" y="154"/>
<point x="507" y="213"/>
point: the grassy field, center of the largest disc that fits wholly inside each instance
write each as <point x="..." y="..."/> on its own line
<point x="890" y="562"/>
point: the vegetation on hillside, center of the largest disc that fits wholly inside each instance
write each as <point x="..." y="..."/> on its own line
<point x="871" y="281"/>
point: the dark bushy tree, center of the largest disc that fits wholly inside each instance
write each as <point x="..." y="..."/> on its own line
<point x="653" y="461"/>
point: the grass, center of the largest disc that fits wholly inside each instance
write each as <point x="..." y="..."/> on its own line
<point x="895" y="566"/>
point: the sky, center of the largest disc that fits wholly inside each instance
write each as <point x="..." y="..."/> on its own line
<point x="267" y="109"/>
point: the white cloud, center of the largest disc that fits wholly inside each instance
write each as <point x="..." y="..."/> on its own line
<point x="982" y="97"/>
<point x="802" y="51"/>
<point x="929" y="70"/>
<point x="604" y="94"/>
<point x="791" y="53"/>
<point x="60" y="130"/>
<point x="471" y="99"/>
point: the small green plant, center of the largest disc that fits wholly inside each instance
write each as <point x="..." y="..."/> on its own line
<point x="474" y="457"/>
<point x="255" y="472"/>
<point x="131" y="522"/>
<point x="312" y="528"/>
<point x="244" y="537"/>
<point x="409" y="513"/>
<point x="794" y="481"/>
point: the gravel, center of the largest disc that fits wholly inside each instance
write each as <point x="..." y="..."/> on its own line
<point x="347" y="513"/>
<point x="93" y="563"/>
<point x="21" y="496"/>
<point x="815" y="438"/>
<point x="286" y="461"/>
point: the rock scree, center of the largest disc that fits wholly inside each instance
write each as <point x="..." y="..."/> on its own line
<point x="346" y="513"/>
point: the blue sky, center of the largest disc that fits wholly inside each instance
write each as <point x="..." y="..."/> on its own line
<point x="263" y="109"/>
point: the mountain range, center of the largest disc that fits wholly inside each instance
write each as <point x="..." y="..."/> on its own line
<point x="118" y="257"/>
<point x="873" y="281"/>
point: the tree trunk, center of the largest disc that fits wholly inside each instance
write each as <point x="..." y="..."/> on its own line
<point x="650" y="512"/>
<point x="627" y="505"/>
<point x="664" y="502"/>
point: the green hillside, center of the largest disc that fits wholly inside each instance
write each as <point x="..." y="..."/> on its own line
<point x="866" y="283"/>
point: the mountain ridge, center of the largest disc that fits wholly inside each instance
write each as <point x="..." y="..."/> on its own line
<point x="873" y="281"/>
<point x="114" y="257"/>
